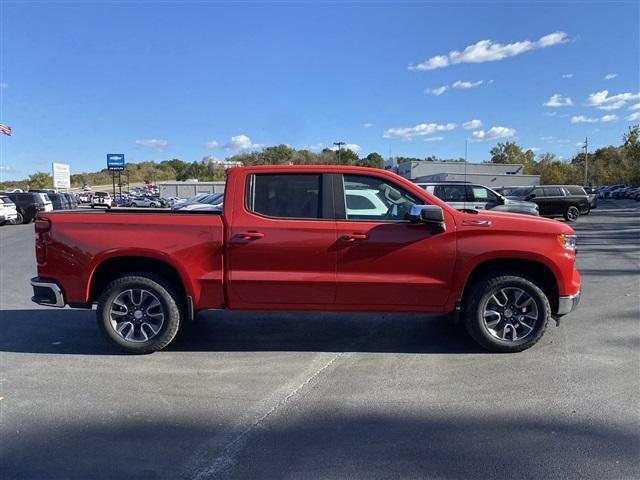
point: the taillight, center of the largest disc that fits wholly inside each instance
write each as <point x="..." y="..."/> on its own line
<point x="42" y="225"/>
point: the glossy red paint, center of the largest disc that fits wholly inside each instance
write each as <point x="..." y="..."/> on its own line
<point x="244" y="261"/>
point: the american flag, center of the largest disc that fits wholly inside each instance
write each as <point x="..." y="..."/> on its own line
<point x="6" y="129"/>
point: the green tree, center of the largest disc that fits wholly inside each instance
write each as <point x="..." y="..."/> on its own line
<point x="373" y="160"/>
<point x="511" y="152"/>
<point x="40" y="180"/>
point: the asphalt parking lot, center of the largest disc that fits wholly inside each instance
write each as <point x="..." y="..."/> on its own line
<point x="327" y="395"/>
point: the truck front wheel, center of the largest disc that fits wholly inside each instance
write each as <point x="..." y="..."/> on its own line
<point x="505" y="312"/>
<point x="139" y="312"/>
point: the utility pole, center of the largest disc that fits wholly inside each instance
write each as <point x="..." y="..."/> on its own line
<point x="586" y="157"/>
<point x="339" y="145"/>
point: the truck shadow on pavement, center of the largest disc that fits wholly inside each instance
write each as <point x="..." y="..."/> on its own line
<point x="75" y="332"/>
<point x="326" y="444"/>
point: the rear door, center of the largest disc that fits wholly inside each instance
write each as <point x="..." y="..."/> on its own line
<point x="281" y="248"/>
<point x="555" y="200"/>
<point x="384" y="259"/>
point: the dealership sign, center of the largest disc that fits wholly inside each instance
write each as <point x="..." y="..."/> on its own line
<point x="61" y="175"/>
<point x="115" y="161"/>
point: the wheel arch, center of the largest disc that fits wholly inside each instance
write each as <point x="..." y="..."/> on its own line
<point x="114" y="267"/>
<point x="540" y="273"/>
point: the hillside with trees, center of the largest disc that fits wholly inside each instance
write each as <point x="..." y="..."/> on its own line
<point x="607" y="165"/>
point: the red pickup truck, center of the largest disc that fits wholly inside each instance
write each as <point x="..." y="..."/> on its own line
<point x="329" y="238"/>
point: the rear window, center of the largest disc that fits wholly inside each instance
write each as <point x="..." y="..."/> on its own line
<point x="100" y="194"/>
<point x="285" y="195"/>
<point x="575" y="190"/>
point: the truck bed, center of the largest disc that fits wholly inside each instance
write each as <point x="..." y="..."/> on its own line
<point x="189" y="243"/>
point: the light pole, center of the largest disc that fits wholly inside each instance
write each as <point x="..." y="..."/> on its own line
<point x="586" y="157"/>
<point x="339" y="145"/>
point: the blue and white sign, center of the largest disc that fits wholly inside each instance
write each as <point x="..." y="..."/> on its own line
<point x="115" y="161"/>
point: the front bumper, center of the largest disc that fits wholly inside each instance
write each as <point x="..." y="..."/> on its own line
<point x="568" y="304"/>
<point x="47" y="293"/>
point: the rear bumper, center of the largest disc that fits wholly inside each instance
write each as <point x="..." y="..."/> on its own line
<point x="46" y="293"/>
<point x="568" y="304"/>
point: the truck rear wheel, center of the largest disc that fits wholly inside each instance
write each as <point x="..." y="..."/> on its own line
<point x="505" y="312"/>
<point x="139" y="312"/>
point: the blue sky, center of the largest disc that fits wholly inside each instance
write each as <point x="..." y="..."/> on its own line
<point x="158" y="80"/>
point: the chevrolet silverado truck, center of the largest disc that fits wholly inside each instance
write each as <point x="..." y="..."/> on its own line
<point x="309" y="238"/>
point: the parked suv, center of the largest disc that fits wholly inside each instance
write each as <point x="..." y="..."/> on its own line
<point x="101" y="199"/>
<point x="463" y="196"/>
<point x="568" y="201"/>
<point x="28" y="205"/>
<point x="8" y="212"/>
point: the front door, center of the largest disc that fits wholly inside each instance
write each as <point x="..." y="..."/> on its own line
<point x="281" y="243"/>
<point x="384" y="259"/>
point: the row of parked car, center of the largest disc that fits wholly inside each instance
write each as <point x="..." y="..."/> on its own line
<point x="618" y="192"/>
<point x="22" y="207"/>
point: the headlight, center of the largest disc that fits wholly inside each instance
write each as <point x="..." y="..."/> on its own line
<point x="568" y="241"/>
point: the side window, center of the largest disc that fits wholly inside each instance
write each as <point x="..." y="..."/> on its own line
<point x="285" y="195"/>
<point x="538" y="192"/>
<point x="553" y="192"/>
<point x="481" y="194"/>
<point x="370" y="198"/>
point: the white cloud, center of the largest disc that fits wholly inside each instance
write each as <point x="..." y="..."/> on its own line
<point x="407" y="133"/>
<point x="460" y="84"/>
<point x="212" y="145"/>
<point x="533" y="149"/>
<point x="488" y="51"/>
<point x="603" y="101"/>
<point x="437" y="91"/>
<point x="550" y="114"/>
<point x="471" y="124"/>
<point x="580" y="144"/>
<point x="585" y="119"/>
<point x="567" y="75"/>
<point x="546" y="139"/>
<point x="348" y="146"/>
<point x="158" y="143"/>
<point x="466" y="84"/>
<point x="433" y="139"/>
<point x="240" y="142"/>
<point x="6" y="168"/>
<point x="635" y="107"/>
<point x="634" y="117"/>
<point x="558" y="100"/>
<point x="493" y="132"/>
<point x="609" y="76"/>
<point x="367" y="125"/>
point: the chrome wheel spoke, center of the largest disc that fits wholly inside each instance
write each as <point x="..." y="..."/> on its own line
<point x="136" y="315"/>
<point x="510" y="314"/>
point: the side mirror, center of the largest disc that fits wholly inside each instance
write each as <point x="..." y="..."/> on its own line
<point x="530" y="196"/>
<point x="432" y="215"/>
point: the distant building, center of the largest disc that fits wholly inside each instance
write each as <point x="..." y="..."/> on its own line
<point x="189" y="188"/>
<point x="488" y="174"/>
